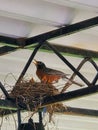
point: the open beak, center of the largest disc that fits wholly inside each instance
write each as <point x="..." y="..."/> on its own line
<point x="35" y="62"/>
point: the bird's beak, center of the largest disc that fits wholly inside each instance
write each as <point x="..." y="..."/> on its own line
<point x="35" y="62"/>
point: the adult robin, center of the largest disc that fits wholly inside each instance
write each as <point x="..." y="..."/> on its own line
<point x="48" y="75"/>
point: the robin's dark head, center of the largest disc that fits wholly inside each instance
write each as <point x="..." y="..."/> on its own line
<point x="39" y="64"/>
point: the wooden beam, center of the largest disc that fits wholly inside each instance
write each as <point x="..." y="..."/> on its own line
<point x="69" y="111"/>
<point x="69" y="95"/>
<point x="8" y="104"/>
<point x="79" y="111"/>
<point x="6" y="49"/>
<point x="9" y="109"/>
<point x="73" y="50"/>
<point x="63" y="31"/>
<point x="13" y="41"/>
<point x="8" y="40"/>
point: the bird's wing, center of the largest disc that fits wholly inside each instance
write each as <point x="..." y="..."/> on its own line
<point x="50" y="71"/>
<point x="56" y="72"/>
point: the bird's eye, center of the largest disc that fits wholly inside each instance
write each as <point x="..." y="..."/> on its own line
<point x="40" y="63"/>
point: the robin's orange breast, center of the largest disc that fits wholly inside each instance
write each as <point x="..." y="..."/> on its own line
<point x="47" y="78"/>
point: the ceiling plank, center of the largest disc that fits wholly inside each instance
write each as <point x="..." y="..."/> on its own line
<point x="83" y="5"/>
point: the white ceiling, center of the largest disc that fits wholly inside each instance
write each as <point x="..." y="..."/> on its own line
<point x="22" y="17"/>
<point x="27" y="18"/>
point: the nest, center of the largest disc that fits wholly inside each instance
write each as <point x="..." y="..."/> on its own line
<point x="32" y="93"/>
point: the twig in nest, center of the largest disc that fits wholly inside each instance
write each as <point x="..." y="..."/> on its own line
<point x="55" y="108"/>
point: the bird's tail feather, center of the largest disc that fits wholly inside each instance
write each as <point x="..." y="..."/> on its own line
<point x="74" y="82"/>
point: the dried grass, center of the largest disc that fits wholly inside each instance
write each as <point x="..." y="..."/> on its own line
<point x="32" y="93"/>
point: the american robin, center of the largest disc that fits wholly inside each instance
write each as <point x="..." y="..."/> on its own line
<point x="48" y="75"/>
